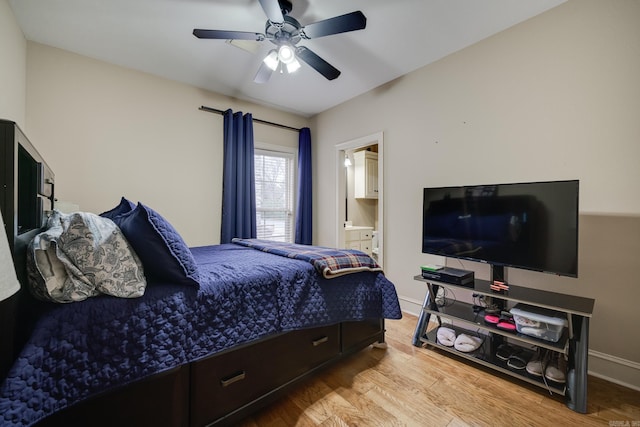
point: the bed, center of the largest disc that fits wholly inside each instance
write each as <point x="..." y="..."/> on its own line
<point x="206" y="348"/>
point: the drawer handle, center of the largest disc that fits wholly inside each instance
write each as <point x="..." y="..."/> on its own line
<point x="225" y="382"/>
<point x="320" y="341"/>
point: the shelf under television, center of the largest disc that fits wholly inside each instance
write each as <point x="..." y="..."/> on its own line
<point x="574" y="341"/>
<point x="552" y="300"/>
<point x="484" y="356"/>
<point x="464" y="313"/>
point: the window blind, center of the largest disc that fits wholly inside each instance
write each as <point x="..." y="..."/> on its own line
<point x="274" y="178"/>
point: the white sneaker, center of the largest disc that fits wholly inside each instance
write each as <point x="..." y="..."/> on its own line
<point x="537" y="363"/>
<point x="556" y="368"/>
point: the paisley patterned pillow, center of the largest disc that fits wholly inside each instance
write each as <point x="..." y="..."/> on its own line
<point x="82" y="255"/>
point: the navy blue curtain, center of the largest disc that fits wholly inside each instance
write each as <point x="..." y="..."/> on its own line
<point x="303" y="210"/>
<point x="238" y="182"/>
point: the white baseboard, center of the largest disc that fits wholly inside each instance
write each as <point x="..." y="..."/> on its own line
<point x="605" y="366"/>
<point x="614" y="369"/>
<point x="410" y="305"/>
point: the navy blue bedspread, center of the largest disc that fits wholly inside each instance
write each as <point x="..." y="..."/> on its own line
<point x="78" y="350"/>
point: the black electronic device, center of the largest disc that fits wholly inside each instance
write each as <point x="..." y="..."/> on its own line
<point x="455" y="276"/>
<point x="532" y="226"/>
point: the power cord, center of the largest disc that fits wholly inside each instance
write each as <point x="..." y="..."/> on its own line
<point x="479" y="303"/>
<point x="442" y="299"/>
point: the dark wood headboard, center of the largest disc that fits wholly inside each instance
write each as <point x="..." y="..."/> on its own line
<point x="26" y="198"/>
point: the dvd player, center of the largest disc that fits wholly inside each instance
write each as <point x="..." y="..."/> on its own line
<point x="455" y="276"/>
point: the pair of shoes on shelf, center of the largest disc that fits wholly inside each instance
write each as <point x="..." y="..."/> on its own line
<point x="551" y="364"/>
<point x="463" y="342"/>
<point x="512" y="355"/>
<point x="502" y="322"/>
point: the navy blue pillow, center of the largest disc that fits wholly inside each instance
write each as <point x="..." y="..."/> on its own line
<point x="165" y="256"/>
<point x="123" y="207"/>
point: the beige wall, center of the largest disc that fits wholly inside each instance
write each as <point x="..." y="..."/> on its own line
<point x="107" y="131"/>
<point x="13" y="65"/>
<point x="556" y="97"/>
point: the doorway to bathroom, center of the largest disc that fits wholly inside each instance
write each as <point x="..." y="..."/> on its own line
<point x="360" y="197"/>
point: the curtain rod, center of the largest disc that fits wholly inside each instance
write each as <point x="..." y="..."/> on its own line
<point x="264" y="122"/>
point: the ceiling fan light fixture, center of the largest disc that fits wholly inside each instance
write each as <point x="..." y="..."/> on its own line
<point x="271" y="60"/>
<point x="286" y="54"/>
<point x="285" y="32"/>
<point x="293" y="66"/>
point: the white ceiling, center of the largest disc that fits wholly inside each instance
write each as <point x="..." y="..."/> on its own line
<point x="155" y="36"/>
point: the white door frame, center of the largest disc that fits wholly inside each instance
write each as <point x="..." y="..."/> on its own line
<point x="365" y="141"/>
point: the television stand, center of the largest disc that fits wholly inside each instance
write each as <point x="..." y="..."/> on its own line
<point x="573" y="343"/>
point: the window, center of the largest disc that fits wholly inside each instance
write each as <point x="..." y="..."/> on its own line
<point x="275" y="189"/>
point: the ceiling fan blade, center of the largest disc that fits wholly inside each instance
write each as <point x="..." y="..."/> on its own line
<point x="227" y="35"/>
<point x="264" y="74"/>
<point x="340" y="24"/>
<point x="317" y="63"/>
<point x="272" y="10"/>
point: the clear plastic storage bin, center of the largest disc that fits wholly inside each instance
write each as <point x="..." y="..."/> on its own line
<point x="539" y="322"/>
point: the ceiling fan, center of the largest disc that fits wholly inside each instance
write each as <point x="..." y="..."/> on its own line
<point x="285" y="32"/>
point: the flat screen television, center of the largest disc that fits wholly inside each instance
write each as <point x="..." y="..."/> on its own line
<point x="533" y="225"/>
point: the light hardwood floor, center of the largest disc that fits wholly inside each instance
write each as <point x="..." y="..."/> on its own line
<point x="409" y="386"/>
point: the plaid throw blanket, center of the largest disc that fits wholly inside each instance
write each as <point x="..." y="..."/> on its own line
<point x="329" y="262"/>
